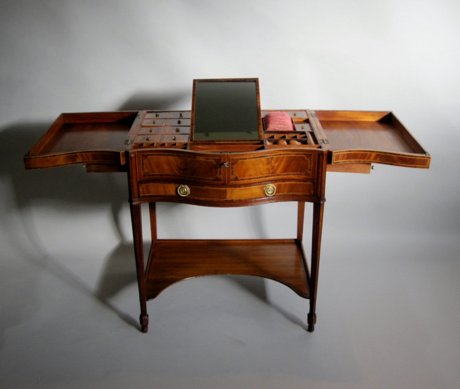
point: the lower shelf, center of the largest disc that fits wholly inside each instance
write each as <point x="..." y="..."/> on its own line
<point x="281" y="260"/>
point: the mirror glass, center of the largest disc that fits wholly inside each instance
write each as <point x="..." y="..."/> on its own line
<point x="226" y="110"/>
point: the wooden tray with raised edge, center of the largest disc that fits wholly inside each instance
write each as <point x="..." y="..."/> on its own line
<point x="96" y="139"/>
<point x="356" y="139"/>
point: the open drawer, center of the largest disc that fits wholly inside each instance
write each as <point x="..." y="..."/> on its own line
<point x="356" y="139"/>
<point x="97" y="140"/>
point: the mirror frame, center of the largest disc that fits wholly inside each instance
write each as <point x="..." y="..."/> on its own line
<point x="227" y="80"/>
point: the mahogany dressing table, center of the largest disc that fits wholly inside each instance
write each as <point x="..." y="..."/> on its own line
<point x="226" y="153"/>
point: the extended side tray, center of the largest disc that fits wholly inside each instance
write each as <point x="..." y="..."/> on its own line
<point x="356" y="139"/>
<point x="97" y="140"/>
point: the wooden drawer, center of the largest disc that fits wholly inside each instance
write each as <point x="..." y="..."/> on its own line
<point x="226" y="168"/>
<point x="179" y="130"/>
<point x="225" y="195"/>
<point x="256" y="167"/>
<point x="161" y="140"/>
<point x="226" y="178"/>
<point x="174" y="165"/>
<point x="167" y="114"/>
<point x="155" y="122"/>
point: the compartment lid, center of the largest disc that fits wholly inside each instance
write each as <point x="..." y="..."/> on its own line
<point x="365" y="137"/>
<point x="95" y="139"/>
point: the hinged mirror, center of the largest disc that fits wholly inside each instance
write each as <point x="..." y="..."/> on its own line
<point x="226" y="110"/>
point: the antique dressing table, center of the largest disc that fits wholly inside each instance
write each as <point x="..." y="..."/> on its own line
<point x="227" y="152"/>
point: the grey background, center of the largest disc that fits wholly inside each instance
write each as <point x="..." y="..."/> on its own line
<point x="388" y="310"/>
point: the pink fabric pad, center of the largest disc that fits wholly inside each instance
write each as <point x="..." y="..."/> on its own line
<point x="278" y="121"/>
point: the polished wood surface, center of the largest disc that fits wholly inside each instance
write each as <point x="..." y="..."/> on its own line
<point x="361" y="137"/>
<point x="83" y="138"/>
<point x="226" y="179"/>
<point x="174" y="260"/>
<point x="164" y="163"/>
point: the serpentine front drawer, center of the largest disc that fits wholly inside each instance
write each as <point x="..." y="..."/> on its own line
<point x="200" y="194"/>
<point x="227" y="178"/>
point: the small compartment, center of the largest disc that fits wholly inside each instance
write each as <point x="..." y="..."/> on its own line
<point x="296" y="115"/>
<point x="286" y="139"/>
<point x="300" y="135"/>
<point x="160" y="122"/>
<point x="180" y="130"/>
<point x="167" y="115"/>
<point x="159" y="140"/>
<point x="278" y="121"/>
<point x="303" y="127"/>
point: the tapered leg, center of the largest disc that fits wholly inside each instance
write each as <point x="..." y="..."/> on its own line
<point x="300" y="219"/>
<point x="318" y="211"/>
<point x="153" y="221"/>
<point x="136" y="219"/>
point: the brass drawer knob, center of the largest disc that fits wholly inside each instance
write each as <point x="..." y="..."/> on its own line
<point x="270" y="190"/>
<point x="183" y="190"/>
